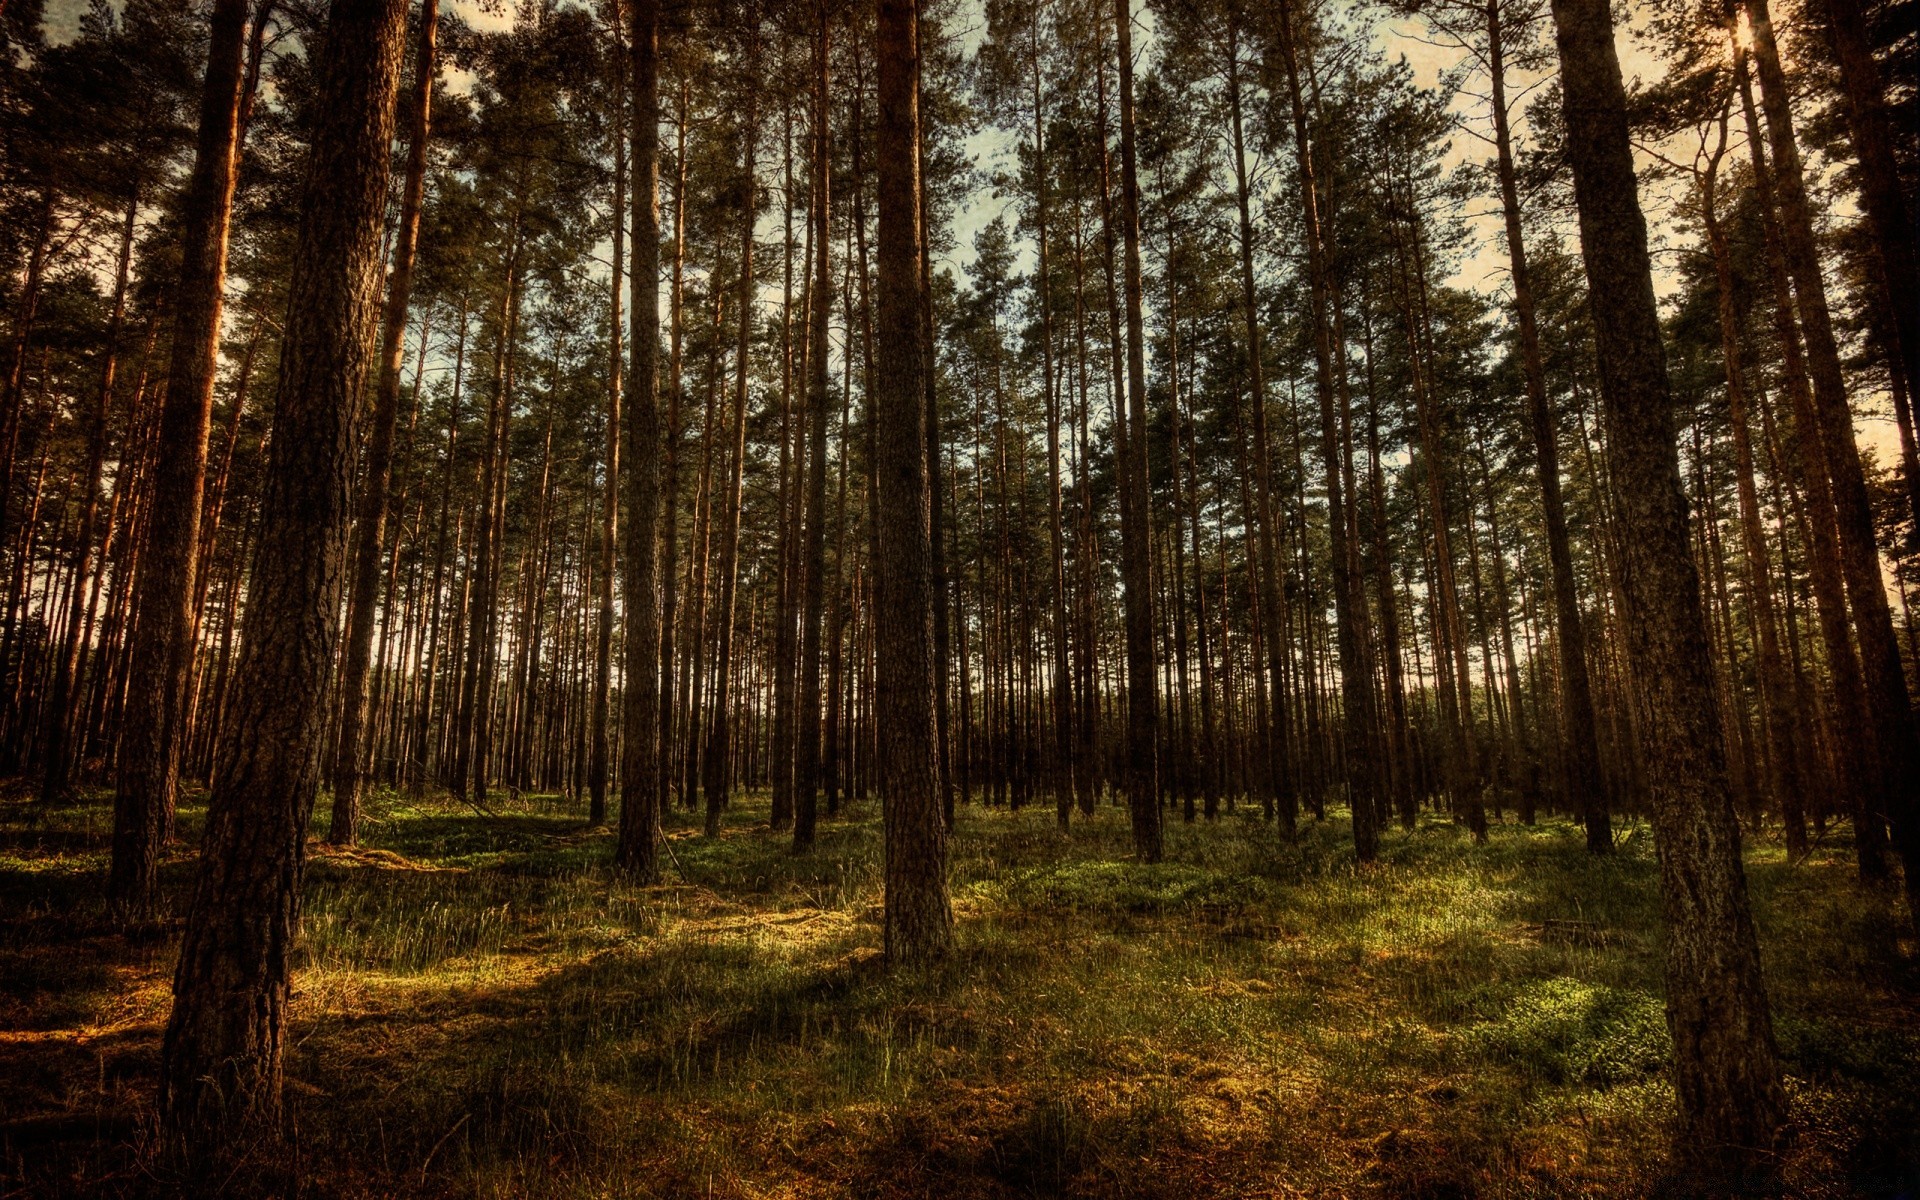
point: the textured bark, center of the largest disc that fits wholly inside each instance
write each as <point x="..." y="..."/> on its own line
<point x="1852" y="729"/>
<point x="599" y="750"/>
<point x="1136" y="553"/>
<point x="370" y="530"/>
<point x="1355" y="680"/>
<point x="638" y="849"/>
<point x="62" y="711"/>
<point x="1063" y="781"/>
<point x="24" y="310"/>
<point x="1579" y="739"/>
<point x="718" y="767"/>
<point x="790" y="503"/>
<point x="807" y="763"/>
<point x="1893" y="769"/>
<point x="1872" y="133"/>
<point x="919" y="916"/>
<point x="220" y="1061"/>
<point x="161" y="656"/>
<point x="1785" y="776"/>
<point x="670" y="452"/>
<point x="1725" y="1072"/>
<point x="1267" y="569"/>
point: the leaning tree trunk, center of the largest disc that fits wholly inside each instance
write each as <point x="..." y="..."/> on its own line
<point x="919" y="916"/>
<point x="1895" y="764"/>
<point x="371" y="527"/>
<point x="1579" y="741"/>
<point x="220" y="1063"/>
<point x="1784" y="777"/>
<point x="638" y="848"/>
<point x="62" y="716"/>
<point x="1879" y="176"/>
<point x="151" y="729"/>
<point x="1726" y="1069"/>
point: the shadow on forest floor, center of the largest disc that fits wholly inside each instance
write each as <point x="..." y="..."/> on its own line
<point x="483" y="1009"/>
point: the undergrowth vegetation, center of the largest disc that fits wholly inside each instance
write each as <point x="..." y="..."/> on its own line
<point x="483" y="1009"/>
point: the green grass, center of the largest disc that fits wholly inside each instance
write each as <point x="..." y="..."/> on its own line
<point x="483" y="1009"/>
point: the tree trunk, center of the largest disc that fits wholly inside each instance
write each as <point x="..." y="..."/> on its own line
<point x="220" y="1061"/>
<point x="1143" y="721"/>
<point x="1726" y="1072"/>
<point x="1776" y="690"/>
<point x="150" y="730"/>
<point x="807" y="768"/>
<point x="1268" y="567"/>
<point x="370" y="528"/>
<point x="1873" y="137"/>
<point x="719" y="760"/>
<point x="61" y="717"/>
<point x="1356" y="681"/>
<point x="637" y="853"/>
<point x="599" y="747"/>
<point x="919" y="918"/>
<point x="1579" y="742"/>
<point x="1893" y="770"/>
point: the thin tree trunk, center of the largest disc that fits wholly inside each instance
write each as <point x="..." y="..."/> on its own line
<point x="1579" y="743"/>
<point x="371" y="527"/>
<point x="718" y="765"/>
<point x="807" y="769"/>
<point x="61" y="710"/>
<point x="598" y="761"/>
<point x="1143" y="721"/>
<point x="151" y="727"/>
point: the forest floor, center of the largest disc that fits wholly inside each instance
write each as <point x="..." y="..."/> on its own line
<point x="481" y="1009"/>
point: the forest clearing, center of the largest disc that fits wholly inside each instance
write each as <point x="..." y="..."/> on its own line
<point x="914" y="598"/>
<point x="484" y="1009"/>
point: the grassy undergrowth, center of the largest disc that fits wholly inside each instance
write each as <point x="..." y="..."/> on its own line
<point x="482" y="1009"/>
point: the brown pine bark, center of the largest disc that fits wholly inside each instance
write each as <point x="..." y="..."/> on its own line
<point x="807" y="762"/>
<point x="151" y="730"/>
<point x="599" y="747"/>
<point x="1136" y="563"/>
<point x="638" y="849"/>
<point x="1268" y="567"/>
<point x="1852" y="728"/>
<point x="1873" y="135"/>
<point x="370" y="530"/>
<point x="1893" y="770"/>
<point x="919" y="917"/>
<point x="62" y="713"/>
<point x="1579" y="739"/>
<point x="1356" y="681"/>
<point x="1785" y="777"/>
<point x="717" y="771"/>
<point x="790" y="502"/>
<point x="26" y="306"/>
<point x="1726" y="1072"/>
<point x="220" y="1061"/>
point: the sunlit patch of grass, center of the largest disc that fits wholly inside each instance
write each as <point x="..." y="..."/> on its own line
<point x="484" y="1007"/>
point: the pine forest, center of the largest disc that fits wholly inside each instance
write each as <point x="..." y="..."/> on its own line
<point x="983" y="599"/>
